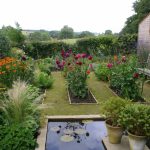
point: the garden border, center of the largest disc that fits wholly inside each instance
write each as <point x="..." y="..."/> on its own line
<point x="97" y="103"/>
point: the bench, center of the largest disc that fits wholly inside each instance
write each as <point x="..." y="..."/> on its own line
<point x="145" y="71"/>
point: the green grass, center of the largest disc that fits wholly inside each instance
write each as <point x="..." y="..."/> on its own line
<point x="56" y="102"/>
<point x="146" y="92"/>
<point x="70" y="41"/>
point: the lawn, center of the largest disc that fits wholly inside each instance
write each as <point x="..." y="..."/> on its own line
<point x="70" y="41"/>
<point x="56" y="102"/>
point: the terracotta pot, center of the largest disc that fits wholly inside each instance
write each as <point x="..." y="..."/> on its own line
<point x="136" y="142"/>
<point x="114" y="133"/>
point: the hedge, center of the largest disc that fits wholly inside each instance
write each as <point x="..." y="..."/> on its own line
<point x="107" y="45"/>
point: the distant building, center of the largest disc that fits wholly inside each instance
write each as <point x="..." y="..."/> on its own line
<point x="144" y="35"/>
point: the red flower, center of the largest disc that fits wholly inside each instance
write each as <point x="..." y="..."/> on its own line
<point x="77" y="56"/>
<point x="62" y="53"/>
<point x="63" y="62"/>
<point x="88" y="72"/>
<point x="90" y="57"/>
<point x="79" y="63"/>
<point x="135" y="75"/>
<point x="57" y="62"/>
<point x="83" y="55"/>
<point x="109" y="65"/>
<point x="123" y="58"/>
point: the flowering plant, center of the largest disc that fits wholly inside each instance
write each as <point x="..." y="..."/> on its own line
<point x="77" y="70"/>
<point x="124" y="77"/>
<point x="12" y="68"/>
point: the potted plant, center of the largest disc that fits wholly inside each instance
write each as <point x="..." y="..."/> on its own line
<point x="136" y="119"/>
<point x="111" y="109"/>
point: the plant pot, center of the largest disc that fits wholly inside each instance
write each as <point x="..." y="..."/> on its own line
<point x="136" y="142"/>
<point x="114" y="133"/>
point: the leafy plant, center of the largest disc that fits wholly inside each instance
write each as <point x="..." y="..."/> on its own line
<point x="112" y="108"/>
<point x="136" y="119"/>
<point x="43" y="80"/>
<point x="124" y="78"/>
<point x="18" y="136"/>
<point x="102" y="72"/>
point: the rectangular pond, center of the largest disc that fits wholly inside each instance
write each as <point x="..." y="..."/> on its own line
<point x="75" y="135"/>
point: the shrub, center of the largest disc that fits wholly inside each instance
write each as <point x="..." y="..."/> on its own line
<point x="102" y="72"/>
<point x="18" y="136"/>
<point x="136" y="119"/>
<point x="11" y="69"/>
<point x="124" y="78"/>
<point x="112" y="108"/>
<point x="4" y="46"/>
<point x="43" y="80"/>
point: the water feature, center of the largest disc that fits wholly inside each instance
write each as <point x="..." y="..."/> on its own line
<point x="75" y="135"/>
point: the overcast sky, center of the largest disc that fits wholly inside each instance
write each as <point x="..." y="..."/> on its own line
<point x="81" y="15"/>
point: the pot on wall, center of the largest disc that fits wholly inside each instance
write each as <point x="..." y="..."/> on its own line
<point x="136" y="142"/>
<point x="114" y="133"/>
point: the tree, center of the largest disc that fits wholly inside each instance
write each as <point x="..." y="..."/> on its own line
<point x="141" y="8"/>
<point x="4" y="45"/>
<point x="39" y="36"/>
<point x="86" y="34"/>
<point x="108" y="32"/>
<point x="54" y="34"/>
<point x="66" y="33"/>
<point x="14" y="34"/>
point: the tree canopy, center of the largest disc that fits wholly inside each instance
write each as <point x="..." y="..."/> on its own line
<point x="141" y="9"/>
<point x="66" y="32"/>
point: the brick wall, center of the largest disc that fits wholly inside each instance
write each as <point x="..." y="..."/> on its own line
<point x="144" y="35"/>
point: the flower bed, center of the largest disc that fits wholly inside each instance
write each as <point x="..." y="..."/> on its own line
<point x="76" y="68"/>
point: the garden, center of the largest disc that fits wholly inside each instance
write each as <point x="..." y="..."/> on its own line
<point x="95" y="76"/>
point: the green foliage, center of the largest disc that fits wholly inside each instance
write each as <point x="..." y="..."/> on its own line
<point x="39" y="50"/>
<point x="112" y="109"/>
<point x="84" y="34"/>
<point x="14" y="34"/>
<point x="4" y="45"/>
<point x="17" y="108"/>
<point x="127" y="43"/>
<point x="141" y="8"/>
<point x="39" y="36"/>
<point x="108" y="32"/>
<point x="18" y="136"/>
<point x="43" y="80"/>
<point x="33" y="91"/>
<point x="66" y="32"/>
<point x="54" y="34"/>
<point x="102" y="72"/>
<point x="136" y="119"/>
<point x="124" y="78"/>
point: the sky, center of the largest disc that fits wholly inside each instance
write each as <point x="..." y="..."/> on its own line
<point x="81" y="15"/>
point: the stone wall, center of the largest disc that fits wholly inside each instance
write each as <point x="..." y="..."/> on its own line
<point x="144" y="35"/>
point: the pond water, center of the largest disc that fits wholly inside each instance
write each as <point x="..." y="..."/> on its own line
<point x="75" y="135"/>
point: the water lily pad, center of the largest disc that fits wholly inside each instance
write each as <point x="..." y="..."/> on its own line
<point x="87" y="121"/>
<point x="54" y="129"/>
<point x="67" y="138"/>
<point x="68" y="131"/>
<point x="80" y="131"/>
